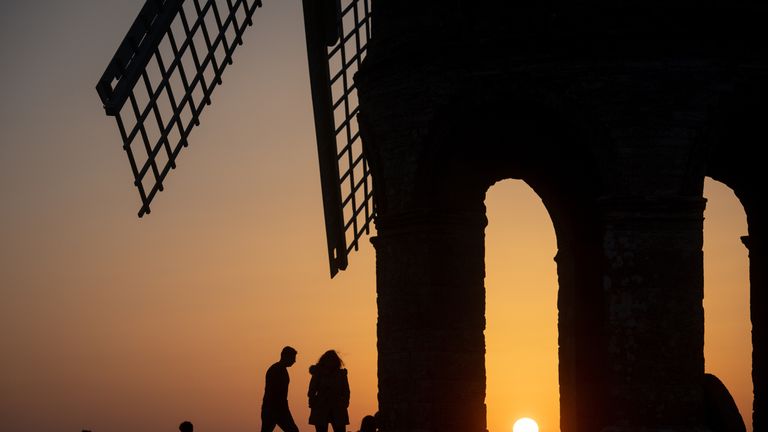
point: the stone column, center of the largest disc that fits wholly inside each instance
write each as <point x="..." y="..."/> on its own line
<point x="430" y="282"/>
<point x="759" y="314"/>
<point x="653" y="284"/>
<point x="581" y="337"/>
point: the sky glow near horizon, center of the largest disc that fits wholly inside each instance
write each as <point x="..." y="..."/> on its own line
<point x="113" y="323"/>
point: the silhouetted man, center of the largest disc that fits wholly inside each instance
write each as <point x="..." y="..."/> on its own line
<point x="186" y="427"/>
<point x="274" y="408"/>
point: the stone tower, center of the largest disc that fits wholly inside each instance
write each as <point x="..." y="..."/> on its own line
<point x="614" y="112"/>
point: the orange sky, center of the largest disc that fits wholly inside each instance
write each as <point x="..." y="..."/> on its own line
<point x="114" y="323"/>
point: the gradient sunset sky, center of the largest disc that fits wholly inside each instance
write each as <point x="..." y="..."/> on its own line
<point x="113" y="323"/>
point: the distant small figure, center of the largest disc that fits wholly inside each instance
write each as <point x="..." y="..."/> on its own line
<point x="328" y="393"/>
<point x="186" y="426"/>
<point x="274" y="408"/>
<point x="368" y="424"/>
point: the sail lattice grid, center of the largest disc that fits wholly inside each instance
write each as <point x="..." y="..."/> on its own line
<point x="163" y="75"/>
<point x="173" y="58"/>
<point x="338" y="34"/>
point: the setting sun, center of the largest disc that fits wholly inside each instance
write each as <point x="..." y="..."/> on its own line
<point x="525" y="424"/>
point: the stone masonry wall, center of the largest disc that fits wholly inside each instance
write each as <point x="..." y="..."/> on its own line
<point x="609" y="128"/>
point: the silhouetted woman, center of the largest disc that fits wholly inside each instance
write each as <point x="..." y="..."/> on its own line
<point x="328" y="393"/>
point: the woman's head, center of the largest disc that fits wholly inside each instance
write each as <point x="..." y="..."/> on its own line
<point x="330" y="360"/>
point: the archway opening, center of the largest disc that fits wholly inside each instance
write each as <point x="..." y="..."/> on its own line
<point x="521" y="309"/>
<point x="727" y="335"/>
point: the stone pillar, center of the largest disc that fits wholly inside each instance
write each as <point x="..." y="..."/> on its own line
<point x="581" y="337"/>
<point x="653" y="283"/>
<point x="759" y="313"/>
<point x="431" y="297"/>
<point x="567" y="340"/>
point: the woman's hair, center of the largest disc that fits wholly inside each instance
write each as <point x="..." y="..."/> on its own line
<point x="330" y="360"/>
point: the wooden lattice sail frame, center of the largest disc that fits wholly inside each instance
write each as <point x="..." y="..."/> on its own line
<point x="173" y="58"/>
<point x="338" y="34"/>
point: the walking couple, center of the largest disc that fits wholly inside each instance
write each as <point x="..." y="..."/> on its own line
<point x="328" y="394"/>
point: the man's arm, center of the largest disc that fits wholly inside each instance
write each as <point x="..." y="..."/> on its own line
<point x="273" y="384"/>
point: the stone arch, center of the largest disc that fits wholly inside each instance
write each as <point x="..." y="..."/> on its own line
<point x="731" y="155"/>
<point x="727" y="326"/>
<point x="521" y="288"/>
<point x="526" y="133"/>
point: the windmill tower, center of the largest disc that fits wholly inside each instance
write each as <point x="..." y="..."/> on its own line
<point x="614" y="113"/>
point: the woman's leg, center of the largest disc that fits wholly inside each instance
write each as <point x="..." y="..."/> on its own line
<point x="322" y="427"/>
<point x="338" y="428"/>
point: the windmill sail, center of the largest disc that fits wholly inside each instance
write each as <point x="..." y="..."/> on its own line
<point x="338" y="32"/>
<point x="162" y="77"/>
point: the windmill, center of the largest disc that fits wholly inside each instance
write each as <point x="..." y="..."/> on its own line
<point x="612" y="113"/>
<point x="171" y="61"/>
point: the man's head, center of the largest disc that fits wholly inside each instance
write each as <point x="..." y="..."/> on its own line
<point x="288" y="356"/>
<point x="186" y="426"/>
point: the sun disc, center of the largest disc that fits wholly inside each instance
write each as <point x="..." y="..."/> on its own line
<point x="525" y="424"/>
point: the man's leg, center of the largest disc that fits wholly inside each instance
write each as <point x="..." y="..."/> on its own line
<point x="268" y="424"/>
<point x="286" y="423"/>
